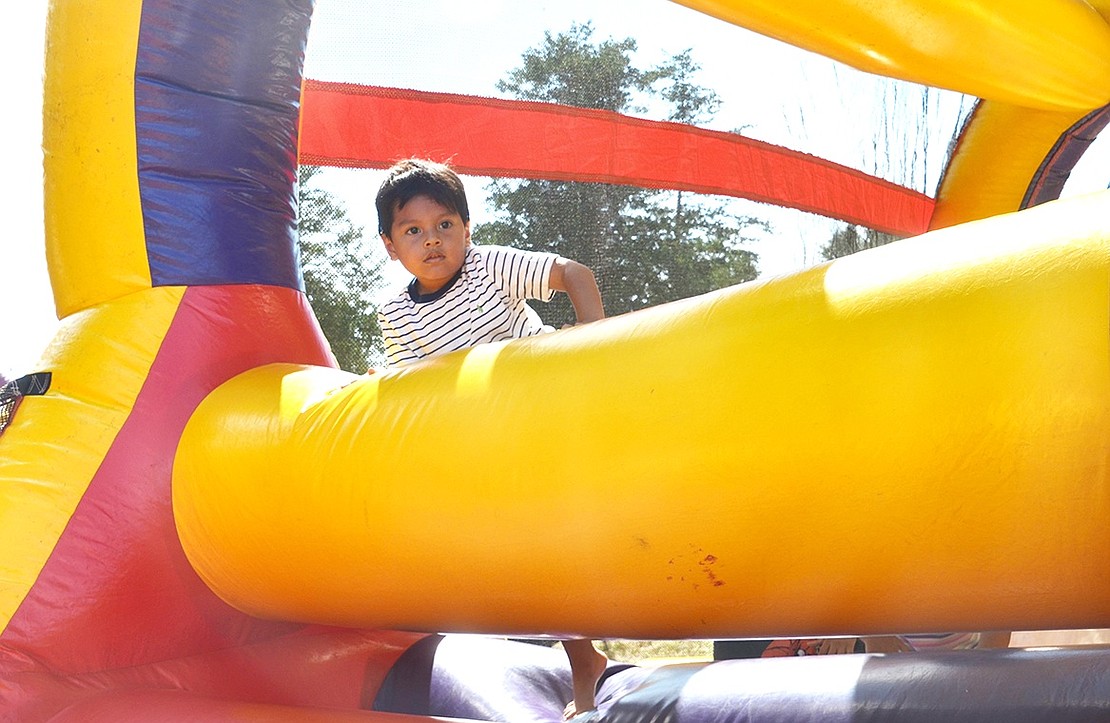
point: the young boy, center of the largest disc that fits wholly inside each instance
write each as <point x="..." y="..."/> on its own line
<point x="462" y="295"/>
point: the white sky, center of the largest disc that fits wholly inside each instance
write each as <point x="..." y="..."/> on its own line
<point x="27" y="321"/>
<point x="782" y="95"/>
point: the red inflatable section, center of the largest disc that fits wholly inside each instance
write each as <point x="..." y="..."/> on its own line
<point x="118" y="572"/>
<point x="370" y="127"/>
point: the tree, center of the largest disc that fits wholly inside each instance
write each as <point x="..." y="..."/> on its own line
<point x="340" y="275"/>
<point x="646" y="247"/>
<point x="847" y="240"/>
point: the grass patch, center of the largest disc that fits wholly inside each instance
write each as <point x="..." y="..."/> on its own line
<point x="648" y="652"/>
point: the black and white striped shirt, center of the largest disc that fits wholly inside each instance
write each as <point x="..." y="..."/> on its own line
<point x="486" y="301"/>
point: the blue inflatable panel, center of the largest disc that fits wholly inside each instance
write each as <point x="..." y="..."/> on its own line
<point x="217" y="97"/>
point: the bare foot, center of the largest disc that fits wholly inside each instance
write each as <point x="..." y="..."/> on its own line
<point x="586" y="667"/>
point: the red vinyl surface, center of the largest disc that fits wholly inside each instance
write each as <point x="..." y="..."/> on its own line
<point x="370" y="127"/>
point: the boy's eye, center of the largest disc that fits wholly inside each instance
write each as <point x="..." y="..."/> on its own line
<point x="412" y="230"/>
<point x="445" y="225"/>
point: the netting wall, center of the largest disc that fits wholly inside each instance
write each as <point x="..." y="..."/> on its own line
<point x="651" y="60"/>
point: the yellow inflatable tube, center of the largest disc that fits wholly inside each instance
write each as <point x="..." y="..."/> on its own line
<point x="96" y="244"/>
<point x="1047" y="54"/>
<point x="981" y="181"/>
<point x="915" y="438"/>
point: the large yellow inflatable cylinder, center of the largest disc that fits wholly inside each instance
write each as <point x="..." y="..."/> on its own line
<point x="1046" y="54"/>
<point x="915" y="438"/>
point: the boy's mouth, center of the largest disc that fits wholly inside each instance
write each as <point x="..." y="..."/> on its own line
<point x="434" y="256"/>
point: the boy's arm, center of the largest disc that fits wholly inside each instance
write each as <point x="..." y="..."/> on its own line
<point x="578" y="282"/>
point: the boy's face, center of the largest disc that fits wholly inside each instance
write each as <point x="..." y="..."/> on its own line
<point x="429" y="240"/>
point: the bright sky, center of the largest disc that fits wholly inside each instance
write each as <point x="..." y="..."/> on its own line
<point x="781" y="95"/>
<point x="27" y="321"/>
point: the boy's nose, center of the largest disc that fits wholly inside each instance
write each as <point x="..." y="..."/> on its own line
<point x="431" y="239"/>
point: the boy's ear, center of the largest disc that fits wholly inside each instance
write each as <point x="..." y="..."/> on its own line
<point x="467" y="237"/>
<point x="388" y="243"/>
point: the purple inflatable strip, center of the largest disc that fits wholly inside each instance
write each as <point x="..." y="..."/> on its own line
<point x="217" y="98"/>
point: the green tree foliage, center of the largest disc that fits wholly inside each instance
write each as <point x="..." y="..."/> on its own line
<point x="848" y="240"/>
<point x="340" y="275"/>
<point x="646" y="247"/>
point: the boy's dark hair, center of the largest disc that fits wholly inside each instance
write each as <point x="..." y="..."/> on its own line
<point x="416" y="177"/>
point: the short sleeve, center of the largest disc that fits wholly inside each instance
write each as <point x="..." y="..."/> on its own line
<point x="521" y="274"/>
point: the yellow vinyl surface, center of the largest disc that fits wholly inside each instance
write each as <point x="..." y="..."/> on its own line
<point x="95" y="242"/>
<point x="914" y="438"/>
<point x="999" y="153"/>
<point x="57" y="442"/>
<point x="1047" y="54"/>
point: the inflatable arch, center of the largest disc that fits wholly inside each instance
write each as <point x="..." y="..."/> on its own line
<point x="202" y="519"/>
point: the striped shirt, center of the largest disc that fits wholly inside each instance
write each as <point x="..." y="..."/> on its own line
<point x="486" y="301"/>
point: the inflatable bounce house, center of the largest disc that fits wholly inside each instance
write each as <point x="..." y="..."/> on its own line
<point x="201" y="518"/>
